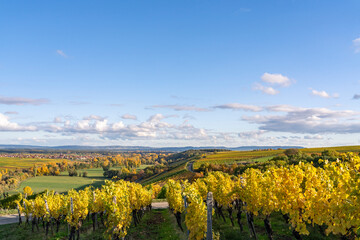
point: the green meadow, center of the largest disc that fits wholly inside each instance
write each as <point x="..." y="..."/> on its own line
<point x="59" y="183"/>
<point x="64" y="182"/>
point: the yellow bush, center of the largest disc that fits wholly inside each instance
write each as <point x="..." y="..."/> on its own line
<point x="28" y="191"/>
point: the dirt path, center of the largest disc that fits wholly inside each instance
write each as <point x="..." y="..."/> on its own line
<point x="160" y="205"/>
<point x="11" y="218"/>
<point x="190" y="166"/>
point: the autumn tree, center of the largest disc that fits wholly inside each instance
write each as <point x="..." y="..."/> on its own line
<point x="27" y="191"/>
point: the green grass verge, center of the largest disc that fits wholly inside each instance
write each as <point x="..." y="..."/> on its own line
<point x="156" y="224"/>
<point x="16" y="232"/>
<point x="8" y="211"/>
<point x="281" y="230"/>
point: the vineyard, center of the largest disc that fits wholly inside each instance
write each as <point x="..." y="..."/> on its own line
<point x="116" y="205"/>
<point x="244" y="157"/>
<point x="300" y="199"/>
<point x="306" y="196"/>
<point x="235" y="157"/>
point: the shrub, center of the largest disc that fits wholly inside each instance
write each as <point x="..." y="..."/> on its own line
<point x="291" y="152"/>
<point x="72" y="172"/>
<point x="10" y="202"/>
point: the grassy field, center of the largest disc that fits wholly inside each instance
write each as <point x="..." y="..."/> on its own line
<point x="59" y="183"/>
<point x="92" y="172"/>
<point x="64" y="183"/>
<point x="13" y="163"/>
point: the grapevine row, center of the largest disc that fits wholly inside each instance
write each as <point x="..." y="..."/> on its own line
<point x="117" y="204"/>
<point x="304" y="194"/>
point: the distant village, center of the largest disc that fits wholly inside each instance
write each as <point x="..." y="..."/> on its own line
<point x="70" y="156"/>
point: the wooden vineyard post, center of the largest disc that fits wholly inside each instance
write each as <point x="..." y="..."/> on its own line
<point x="27" y="219"/>
<point x="71" y="231"/>
<point x="209" y="204"/>
<point x="48" y="219"/>
<point x="115" y="202"/>
<point x="71" y="206"/>
<point x="185" y="205"/>
<point x="46" y="206"/>
<point x="35" y="220"/>
<point x="94" y="215"/>
<point x="18" y="208"/>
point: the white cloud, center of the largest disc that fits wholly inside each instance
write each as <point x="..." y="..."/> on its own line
<point x="83" y="125"/>
<point x="11" y="113"/>
<point x="356" y="96"/>
<point x="309" y="120"/>
<point x="276" y="79"/>
<point x="154" y="128"/>
<point x="101" y="125"/>
<point x="6" y="125"/>
<point x="57" y="120"/>
<point x="156" y="118"/>
<point x="117" y="126"/>
<point x="22" y="101"/>
<point x="252" y="134"/>
<point x="129" y="116"/>
<point x="314" y="137"/>
<point x="283" y="108"/>
<point x="239" y="106"/>
<point x="182" y="108"/>
<point x="356" y="44"/>
<point x="323" y="94"/>
<point x="61" y="53"/>
<point x="93" y="117"/>
<point x="266" y="90"/>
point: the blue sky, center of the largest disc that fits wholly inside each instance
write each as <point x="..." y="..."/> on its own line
<point x="178" y="73"/>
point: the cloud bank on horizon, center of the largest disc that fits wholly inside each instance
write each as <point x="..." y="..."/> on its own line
<point x="211" y="74"/>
